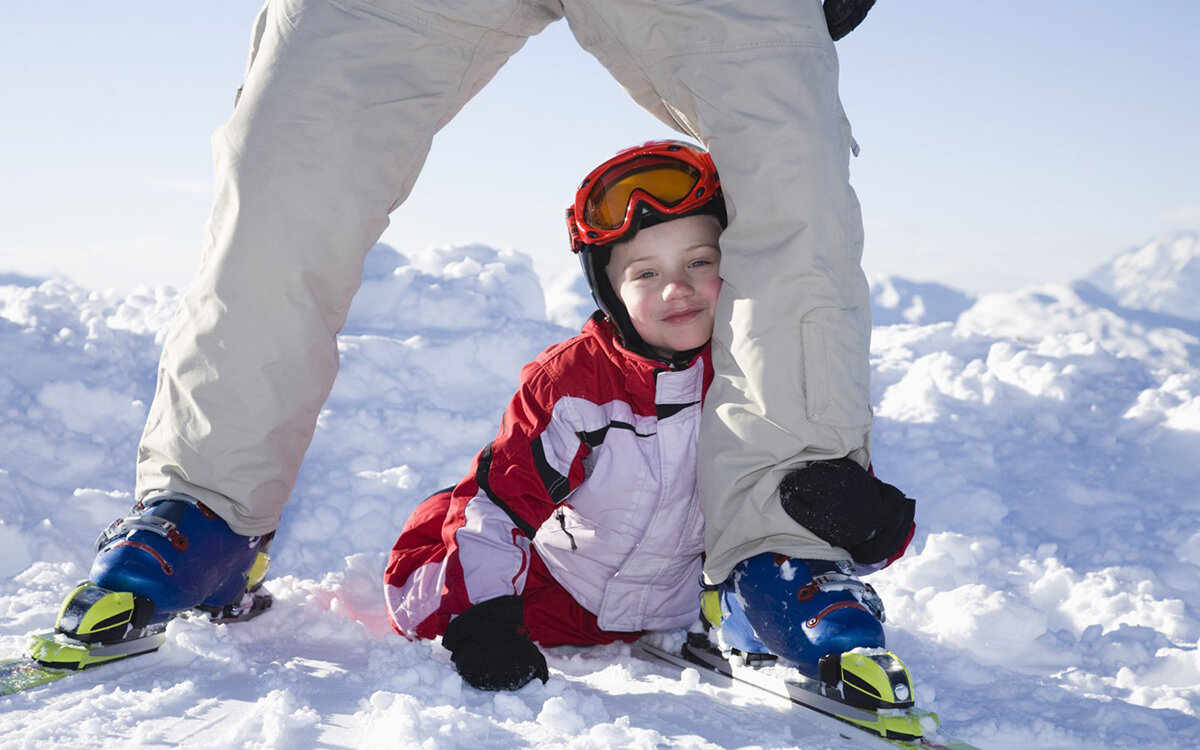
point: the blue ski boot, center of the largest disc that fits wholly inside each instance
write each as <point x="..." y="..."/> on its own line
<point x="799" y="610"/>
<point x="813" y="614"/>
<point x="816" y="616"/>
<point x="171" y="554"/>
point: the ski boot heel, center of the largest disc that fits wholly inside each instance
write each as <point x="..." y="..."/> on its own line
<point x="250" y="598"/>
<point x="880" y="683"/>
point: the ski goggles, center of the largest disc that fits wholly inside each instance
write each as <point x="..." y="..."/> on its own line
<point x="665" y="178"/>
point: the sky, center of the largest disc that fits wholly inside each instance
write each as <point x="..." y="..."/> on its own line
<point x="1003" y="144"/>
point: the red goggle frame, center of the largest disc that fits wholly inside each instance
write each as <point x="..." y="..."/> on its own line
<point x="670" y="178"/>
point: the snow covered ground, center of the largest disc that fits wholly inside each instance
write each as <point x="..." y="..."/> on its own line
<point x="1051" y="437"/>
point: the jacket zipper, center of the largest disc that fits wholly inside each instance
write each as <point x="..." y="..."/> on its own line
<point x="562" y="521"/>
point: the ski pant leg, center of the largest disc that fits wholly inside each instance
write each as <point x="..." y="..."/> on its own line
<point x="758" y="84"/>
<point x="554" y="618"/>
<point x="340" y="103"/>
<point x="414" y="579"/>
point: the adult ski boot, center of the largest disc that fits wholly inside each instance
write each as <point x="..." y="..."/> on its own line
<point x="818" y="617"/>
<point x="170" y="555"/>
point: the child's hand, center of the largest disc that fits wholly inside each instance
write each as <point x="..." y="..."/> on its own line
<point x="491" y="648"/>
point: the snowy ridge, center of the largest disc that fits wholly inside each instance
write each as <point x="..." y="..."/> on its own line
<point x="1050" y="436"/>
<point x="1161" y="276"/>
<point x="895" y="300"/>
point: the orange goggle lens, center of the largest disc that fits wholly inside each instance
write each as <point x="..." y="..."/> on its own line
<point x="666" y="180"/>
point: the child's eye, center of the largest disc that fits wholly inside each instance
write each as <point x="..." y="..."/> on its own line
<point x="644" y="275"/>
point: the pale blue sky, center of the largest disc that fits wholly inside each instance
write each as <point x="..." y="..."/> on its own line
<point x="1003" y="143"/>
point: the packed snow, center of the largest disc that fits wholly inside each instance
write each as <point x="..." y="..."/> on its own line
<point x="1051" y="437"/>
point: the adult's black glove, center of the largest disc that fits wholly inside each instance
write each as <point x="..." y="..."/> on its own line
<point x="843" y="16"/>
<point x="847" y="507"/>
<point x="490" y="646"/>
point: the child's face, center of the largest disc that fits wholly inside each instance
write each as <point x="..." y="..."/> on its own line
<point x="667" y="276"/>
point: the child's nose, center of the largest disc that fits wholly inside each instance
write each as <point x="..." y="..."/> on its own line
<point x="676" y="289"/>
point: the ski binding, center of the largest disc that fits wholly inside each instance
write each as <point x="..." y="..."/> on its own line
<point x="870" y="690"/>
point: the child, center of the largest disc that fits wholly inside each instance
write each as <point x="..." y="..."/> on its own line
<point x="579" y="524"/>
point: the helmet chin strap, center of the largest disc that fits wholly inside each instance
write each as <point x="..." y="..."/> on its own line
<point x="594" y="259"/>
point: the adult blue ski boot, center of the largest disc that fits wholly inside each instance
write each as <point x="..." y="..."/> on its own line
<point x="820" y="618"/>
<point x="171" y="554"/>
<point x="799" y="610"/>
<point x="816" y="615"/>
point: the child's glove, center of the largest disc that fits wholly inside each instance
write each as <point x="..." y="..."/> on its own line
<point x="490" y="646"/>
<point x="843" y="16"/>
<point x="847" y="507"/>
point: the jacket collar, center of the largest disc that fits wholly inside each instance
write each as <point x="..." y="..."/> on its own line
<point x="640" y="370"/>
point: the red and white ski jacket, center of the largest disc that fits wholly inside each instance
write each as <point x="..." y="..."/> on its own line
<point x="595" y="466"/>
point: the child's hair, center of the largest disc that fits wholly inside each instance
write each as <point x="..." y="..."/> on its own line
<point x="638" y="188"/>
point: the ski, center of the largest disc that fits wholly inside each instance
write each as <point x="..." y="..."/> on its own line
<point x="806" y="694"/>
<point x="24" y="673"/>
<point x="53" y="656"/>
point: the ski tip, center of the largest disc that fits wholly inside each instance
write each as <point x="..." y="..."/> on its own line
<point x="24" y="673"/>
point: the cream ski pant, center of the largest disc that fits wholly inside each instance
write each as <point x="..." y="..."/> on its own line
<point x="340" y="103"/>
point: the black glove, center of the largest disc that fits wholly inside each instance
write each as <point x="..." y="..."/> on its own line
<point x="847" y="507"/>
<point x="844" y="16"/>
<point x="490" y="646"/>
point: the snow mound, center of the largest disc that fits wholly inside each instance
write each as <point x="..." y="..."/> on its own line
<point x="1050" y="436"/>
<point x="1162" y="276"/>
<point x="1034" y="314"/>
<point x="569" y="299"/>
<point x="895" y="300"/>
<point x="460" y="287"/>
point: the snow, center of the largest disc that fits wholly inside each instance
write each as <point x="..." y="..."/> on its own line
<point x="1051" y="436"/>
<point x="1162" y="276"/>
<point x="895" y="300"/>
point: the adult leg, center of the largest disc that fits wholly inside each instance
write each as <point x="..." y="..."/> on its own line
<point x="340" y="103"/>
<point x="757" y="83"/>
